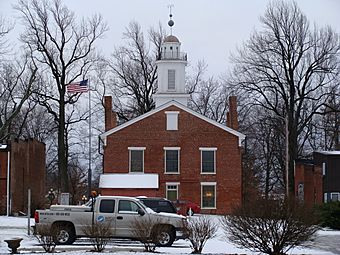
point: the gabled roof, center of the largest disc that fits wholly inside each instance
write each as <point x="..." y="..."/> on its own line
<point x="182" y="107"/>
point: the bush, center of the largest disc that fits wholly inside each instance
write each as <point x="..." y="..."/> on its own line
<point x="329" y="215"/>
<point x="271" y="227"/>
<point x="199" y="230"/>
<point x="44" y="234"/>
<point x="100" y="233"/>
<point x="147" y="230"/>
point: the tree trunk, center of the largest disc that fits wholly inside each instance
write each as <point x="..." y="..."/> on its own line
<point x="62" y="155"/>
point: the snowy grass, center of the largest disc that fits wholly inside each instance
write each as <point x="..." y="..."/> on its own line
<point x="11" y="227"/>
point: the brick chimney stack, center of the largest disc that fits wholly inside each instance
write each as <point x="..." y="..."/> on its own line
<point x="232" y="118"/>
<point x="110" y="116"/>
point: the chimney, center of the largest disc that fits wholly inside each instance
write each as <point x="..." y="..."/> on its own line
<point x="110" y="116"/>
<point x="232" y="120"/>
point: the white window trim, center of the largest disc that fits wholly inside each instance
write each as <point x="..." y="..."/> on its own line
<point x="214" y="149"/>
<point x="333" y="193"/>
<point x="208" y="149"/>
<point x="172" y="148"/>
<point x="179" y="158"/>
<point x="171" y="112"/>
<point x="171" y="184"/>
<point x="168" y="125"/>
<point x="208" y="184"/>
<point x="136" y="149"/>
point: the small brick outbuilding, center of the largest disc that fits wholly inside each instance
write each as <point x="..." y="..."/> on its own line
<point x="22" y="166"/>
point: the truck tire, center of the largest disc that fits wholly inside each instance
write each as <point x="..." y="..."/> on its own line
<point x="165" y="236"/>
<point x="63" y="233"/>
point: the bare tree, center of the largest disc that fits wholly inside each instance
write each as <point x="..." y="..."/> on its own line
<point x="78" y="181"/>
<point x="208" y="97"/>
<point x="287" y="68"/>
<point x="269" y="226"/>
<point x="64" y="50"/>
<point x="5" y="29"/>
<point x="134" y="71"/>
<point x="199" y="230"/>
<point x="16" y="85"/>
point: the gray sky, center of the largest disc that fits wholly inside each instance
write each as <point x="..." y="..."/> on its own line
<point x="209" y="29"/>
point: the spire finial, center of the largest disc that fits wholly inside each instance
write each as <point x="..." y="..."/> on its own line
<point x="170" y="22"/>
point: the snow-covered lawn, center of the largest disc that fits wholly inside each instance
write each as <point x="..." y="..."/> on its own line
<point x="11" y="227"/>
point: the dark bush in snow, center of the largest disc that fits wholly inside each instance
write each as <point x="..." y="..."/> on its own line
<point x="270" y="226"/>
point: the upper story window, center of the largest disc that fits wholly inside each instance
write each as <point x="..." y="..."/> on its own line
<point x="171" y="120"/>
<point x="208" y="160"/>
<point x="171" y="79"/>
<point x="136" y="159"/>
<point x="172" y="160"/>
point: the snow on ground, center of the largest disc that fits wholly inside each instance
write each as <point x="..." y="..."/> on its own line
<point x="11" y="227"/>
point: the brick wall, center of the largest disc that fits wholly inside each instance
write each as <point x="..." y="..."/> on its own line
<point x="27" y="170"/>
<point x="192" y="134"/>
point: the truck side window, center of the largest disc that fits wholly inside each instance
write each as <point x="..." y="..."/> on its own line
<point x="107" y="206"/>
<point x="127" y="206"/>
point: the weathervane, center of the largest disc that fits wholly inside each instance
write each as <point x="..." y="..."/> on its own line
<point x="171" y="22"/>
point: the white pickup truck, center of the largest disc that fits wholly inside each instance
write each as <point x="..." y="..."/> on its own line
<point x="121" y="212"/>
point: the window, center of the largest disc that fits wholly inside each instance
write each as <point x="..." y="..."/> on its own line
<point x="335" y="197"/>
<point x="172" y="191"/>
<point x="208" y="160"/>
<point x="208" y="195"/>
<point x="171" y="79"/>
<point x="172" y="160"/>
<point x="107" y="206"/>
<point x="171" y="120"/>
<point x="127" y="206"/>
<point x="136" y="159"/>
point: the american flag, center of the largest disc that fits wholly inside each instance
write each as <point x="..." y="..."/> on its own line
<point x="78" y="87"/>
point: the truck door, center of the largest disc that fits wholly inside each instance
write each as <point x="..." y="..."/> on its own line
<point x="126" y="216"/>
<point x="106" y="214"/>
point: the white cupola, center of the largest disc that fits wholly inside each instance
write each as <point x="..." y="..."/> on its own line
<point x="171" y="71"/>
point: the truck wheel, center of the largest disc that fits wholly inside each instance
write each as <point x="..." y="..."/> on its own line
<point x="63" y="234"/>
<point x="165" y="236"/>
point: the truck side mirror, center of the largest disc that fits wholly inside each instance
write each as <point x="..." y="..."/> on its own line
<point x="140" y="212"/>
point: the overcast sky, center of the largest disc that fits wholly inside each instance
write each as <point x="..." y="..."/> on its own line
<point x="208" y="30"/>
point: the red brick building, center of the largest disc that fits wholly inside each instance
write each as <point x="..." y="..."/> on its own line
<point x="172" y="151"/>
<point x="25" y="163"/>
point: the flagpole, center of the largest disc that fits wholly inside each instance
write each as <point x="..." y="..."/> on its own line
<point x="89" y="177"/>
